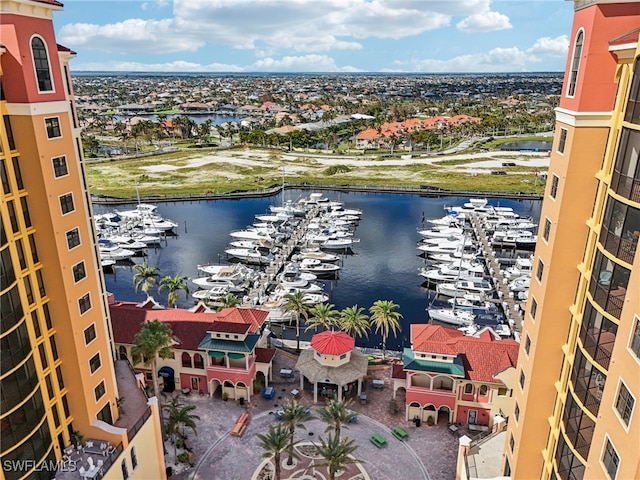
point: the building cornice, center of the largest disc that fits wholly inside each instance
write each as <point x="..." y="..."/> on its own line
<point x="582" y="119"/>
<point x="36" y="109"/>
<point x="27" y="8"/>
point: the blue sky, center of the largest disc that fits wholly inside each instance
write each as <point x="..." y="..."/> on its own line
<point x="412" y="36"/>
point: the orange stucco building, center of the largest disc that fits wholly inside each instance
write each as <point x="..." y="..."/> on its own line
<point x="575" y="410"/>
<point x="58" y="368"/>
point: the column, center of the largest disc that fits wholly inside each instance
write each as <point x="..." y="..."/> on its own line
<point x="315" y="392"/>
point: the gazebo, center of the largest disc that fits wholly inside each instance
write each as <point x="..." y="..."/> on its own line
<point x="332" y="364"/>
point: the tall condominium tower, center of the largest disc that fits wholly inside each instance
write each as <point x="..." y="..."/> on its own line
<point x="576" y="410"/>
<point x="58" y="372"/>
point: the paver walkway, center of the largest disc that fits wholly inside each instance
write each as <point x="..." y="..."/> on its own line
<point x="429" y="452"/>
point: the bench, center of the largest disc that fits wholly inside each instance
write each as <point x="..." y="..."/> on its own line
<point x="399" y="432"/>
<point x="240" y="425"/>
<point x="378" y="440"/>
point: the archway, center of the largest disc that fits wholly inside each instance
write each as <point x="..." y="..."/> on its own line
<point x="444" y="415"/>
<point x="429" y="412"/>
<point x="215" y="387"/>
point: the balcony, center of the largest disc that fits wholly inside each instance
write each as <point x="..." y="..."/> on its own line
<point x="611" y="300"/>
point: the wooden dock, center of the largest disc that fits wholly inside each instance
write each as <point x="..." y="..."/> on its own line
<point x="512" y="308"/>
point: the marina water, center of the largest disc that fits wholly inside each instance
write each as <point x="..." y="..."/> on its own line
<point x="383" y="266"/>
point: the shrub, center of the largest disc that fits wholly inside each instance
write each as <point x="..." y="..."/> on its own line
<point x="183" y="457"/>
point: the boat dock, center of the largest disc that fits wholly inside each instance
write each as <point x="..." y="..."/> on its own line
<point x="259" y="290"/>
<point x="513" y="309"/>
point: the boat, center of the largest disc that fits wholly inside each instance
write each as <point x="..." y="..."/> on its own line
<point x="520" y="284"/>
<point x="316" y="254"/>
<point x="113" y="251"/>
<point x="126" y="241"/>
<point x="453" y="316"/>
<point x="521" y="267"/>
<point x="319" y="268"/>
<point x="250" y="255"/>
<point x="214" y="293"/>
<point x="442" y="232"/>
<point x="339" y="243"/>
<point x="445" y="247"/>
<point x="461" y="270"/>
<point x="462" y="287"/>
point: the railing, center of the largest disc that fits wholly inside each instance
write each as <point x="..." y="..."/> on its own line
<point x="622" y="248"/>
<point x="110" y="460"/>
<point x="134" y="373"/>
<point x="627" y="187"/>
<point x="267" y="192"/>
<point x="131" y="432"/>
<point x="612" y="303"/>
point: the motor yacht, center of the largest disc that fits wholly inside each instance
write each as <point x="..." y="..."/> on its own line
<point x="453" y="316"/>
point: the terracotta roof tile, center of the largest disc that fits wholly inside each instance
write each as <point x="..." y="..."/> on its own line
<point x="188" y="327"/>
<point x="332" y="343"/>
<point x="483" y="357"/>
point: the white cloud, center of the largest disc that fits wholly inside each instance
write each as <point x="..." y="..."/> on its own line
<point x="501" y="59"/>
<point x="484" y="22"/>
<point x="305" y="63"/>
<point x="177" y="66"/>
<point x="279" y="26"/>
<point x="555" y="47"/>
<point x="132" y="35"/>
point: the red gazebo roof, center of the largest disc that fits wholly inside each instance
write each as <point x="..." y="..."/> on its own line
<point x="332" y="343"/>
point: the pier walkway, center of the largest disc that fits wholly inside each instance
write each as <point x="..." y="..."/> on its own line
<point x="259" y="290"/>
<point x="512" y="308"/>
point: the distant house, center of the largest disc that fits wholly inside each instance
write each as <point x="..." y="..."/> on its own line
<point x="196" y="107"/>
<point x="457" y="378"/>
<point x="214" y="352"/>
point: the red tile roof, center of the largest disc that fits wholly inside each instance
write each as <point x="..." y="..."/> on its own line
<point x="483" y="357"/>
<point x="265" y="355"/>
<point x="332" y="343"/>
<point x="397" y="371"/>
<point x="189" y="328"/>
<point x="228" y="327"/>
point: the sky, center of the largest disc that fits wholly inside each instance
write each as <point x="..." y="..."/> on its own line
<point x="295" y="36"/>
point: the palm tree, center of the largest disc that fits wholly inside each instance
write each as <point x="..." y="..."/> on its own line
<point x="323" y="315"/>
<point x="336" y="415"/>
<point x="173" y="285"/>
<point x="337" y="453"/>
<point x="354" y="322"/>
<point x="294" y="414"/>
<point x="294" y="302"/>
<point x="153" y="340"/>
<point x="274" y="442"/>
<point x="180" y="416"/>
<point x="145" y="277"/>
<point x="385" y="320"/>
<point x="229" y="301"/>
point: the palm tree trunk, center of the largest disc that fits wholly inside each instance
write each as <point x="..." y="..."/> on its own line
<point x="298" y="333"/>
<point x="276" y="459"/>
<point x="384" y="347"/>
<point x="290" y="448"/>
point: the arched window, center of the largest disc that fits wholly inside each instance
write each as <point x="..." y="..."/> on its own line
<point x="41" y="64"/>
<point x="575" y="64"/>
<point x="134" y="458"/>
<point x="468" y="388"/>
<point x="125" y="470"/>
<point x="197" y="361"/>
<point x="122" y="352"/>
<point x="484" y="389"/>
<point x="186" y="360"/>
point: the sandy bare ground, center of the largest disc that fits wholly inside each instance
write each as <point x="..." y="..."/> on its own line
<point x="300" y="162"/>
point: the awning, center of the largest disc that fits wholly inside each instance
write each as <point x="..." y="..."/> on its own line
<point x="236" y="356"/>
<point x="165" y="372"/>
<point x="213" y="353"/>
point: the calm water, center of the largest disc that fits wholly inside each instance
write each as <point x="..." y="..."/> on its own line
<point x="383" y="266"/>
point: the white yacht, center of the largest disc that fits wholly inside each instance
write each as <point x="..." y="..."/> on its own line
<point x="462" y="287"/>
<point x="113" y="251"/>
<point x="250" y="255"/>
<point x="454" y="272"/>
<point x="453" y="316"/>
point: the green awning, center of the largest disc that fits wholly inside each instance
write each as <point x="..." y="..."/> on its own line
<point x="216" y="354"/>
<point x="236" y="356"/>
